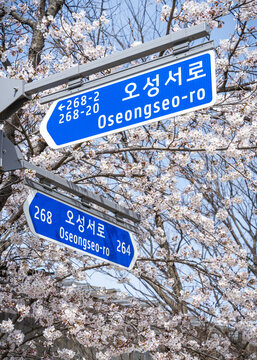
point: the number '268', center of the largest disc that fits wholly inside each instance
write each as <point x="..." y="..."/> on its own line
<point x="43" y="215"/>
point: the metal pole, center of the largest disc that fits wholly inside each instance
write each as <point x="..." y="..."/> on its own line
<point x="81" y="204"/>
<point x="12" y="159"/>
<point x="87" y="196"/>
<point x="119" y="58"/>
<point x="15" y="92"/>
<point x="133" y="70"/>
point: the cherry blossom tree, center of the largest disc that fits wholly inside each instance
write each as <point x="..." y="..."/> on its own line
<point x="192" y="293"/>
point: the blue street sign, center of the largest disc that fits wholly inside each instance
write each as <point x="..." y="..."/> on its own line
<point x="158" y="94"/>
<point x="66" y="225"/>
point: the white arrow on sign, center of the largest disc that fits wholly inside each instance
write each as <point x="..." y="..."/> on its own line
<point x="61" y="107"/>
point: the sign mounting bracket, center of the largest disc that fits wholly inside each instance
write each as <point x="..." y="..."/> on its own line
<point x="74" y="84"/>
<point x="17" y="92"/>
<point x="11" y="159"/>
<point x="87" y="207"/>
<point x="181" y="48"/>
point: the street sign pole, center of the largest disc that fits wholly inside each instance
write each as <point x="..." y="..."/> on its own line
<point x="79" y="230"/>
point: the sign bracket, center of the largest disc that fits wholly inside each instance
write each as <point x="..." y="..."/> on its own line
<point x="181" y="51"/>
<point x="181" y="48"/>
<point x="10" y="155"/>
<point x="74" y="84"/>
<point x="79" y="204"/>
<point x="11" y="159"/>
<point x="13" y="96"/>
<point x="17" y="92"/>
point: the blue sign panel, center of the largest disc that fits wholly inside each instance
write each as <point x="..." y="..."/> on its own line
<point x="158" y="94"/>
<point x="66" y="225"/>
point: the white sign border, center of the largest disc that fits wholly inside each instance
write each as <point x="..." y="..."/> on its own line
<point x="53" y="145"/>
<point x="26" y="206"/>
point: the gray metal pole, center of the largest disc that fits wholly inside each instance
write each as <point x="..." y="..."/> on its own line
<point x="16" y="92"/>
<point x="82" y="205"/>
<point x="132" y="70"/>
<point x="12" y="159"/>
<point x="150" y="47"/>
<point x="87" y="196"/>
